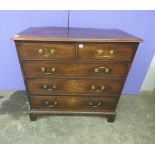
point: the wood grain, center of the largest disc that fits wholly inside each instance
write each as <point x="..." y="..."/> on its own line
<point x="74" y="34"/>
<point x="31" y="51"/>
<point x="73" y="70"/>
<point x="121" y="51"/>
<point x="70" y="87"/>
<point x="74" y="103"/>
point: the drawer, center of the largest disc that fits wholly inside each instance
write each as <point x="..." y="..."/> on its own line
<point x="61" y="86"/>
<point x="50" y="69"/>
<point x="41" y="51"/>
<point x="73" y="103"/>
<point x="107" y="51"/>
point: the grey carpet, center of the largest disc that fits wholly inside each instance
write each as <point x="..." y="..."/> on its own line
<point x="135" y="123"/>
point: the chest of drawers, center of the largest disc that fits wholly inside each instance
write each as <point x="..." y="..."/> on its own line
<point x="75" y="70"/>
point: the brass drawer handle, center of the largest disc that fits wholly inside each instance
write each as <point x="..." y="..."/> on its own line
<point x="49" y="88"/>
<point x="48" y="70"/>
<point x="103" y="53"/>
<point x="46" y="52"/>
<point x="95" y="104"/>
<point x="98" y="88"/>
<point x="102" y="69"/>
<point x="50" y="104"/>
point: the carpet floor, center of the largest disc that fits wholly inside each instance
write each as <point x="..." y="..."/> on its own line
<point x="135" y="123"/>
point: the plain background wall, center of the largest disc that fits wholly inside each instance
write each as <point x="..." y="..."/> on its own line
<point x="13" y="22"/>
<point x="139" y="23"/>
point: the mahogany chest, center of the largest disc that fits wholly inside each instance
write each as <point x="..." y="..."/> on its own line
<point x="74" y="70"/>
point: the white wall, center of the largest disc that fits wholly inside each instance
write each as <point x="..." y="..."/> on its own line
<point x="149" y="82"/>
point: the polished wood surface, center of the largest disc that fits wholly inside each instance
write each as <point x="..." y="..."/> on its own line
<point x="102" y="87"/>
<point x="75" y="34"/>
<point x="120" y="51"/>
<point x="72" y="69"/>
<point x="28" y="51"/>
<point x="74" y="103"/>
<point x="75" y="70"/>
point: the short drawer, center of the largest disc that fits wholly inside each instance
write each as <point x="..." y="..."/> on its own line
<point x="45" y="51"/>
<point x="73" y="103"/>
<point x="61" y="86"/>
<point x="107" y="51"/>
<point x="49" y="69"/>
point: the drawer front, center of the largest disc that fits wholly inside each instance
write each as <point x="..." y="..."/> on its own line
<point x="59" y="86"/>
<point x="49" y="69"/>
<point x="41" y="51"/>
<point x="73" y="103"/>
<point x="107" y="51"/>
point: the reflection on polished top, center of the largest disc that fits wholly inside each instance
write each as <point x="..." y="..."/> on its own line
<point x="75" y="34"/>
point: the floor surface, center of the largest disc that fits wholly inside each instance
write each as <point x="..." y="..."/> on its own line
<point x="135" y="123"/>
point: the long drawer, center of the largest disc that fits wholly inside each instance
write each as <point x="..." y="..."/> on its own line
<point x="80" y="86"/>
<point x="74" y="103"/>
<point x="46" y="51"/>
<point x="107" y="51"/>
<point x="50" y="69"/>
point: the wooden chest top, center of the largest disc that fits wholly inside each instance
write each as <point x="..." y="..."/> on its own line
<point x="75" y="34"/>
